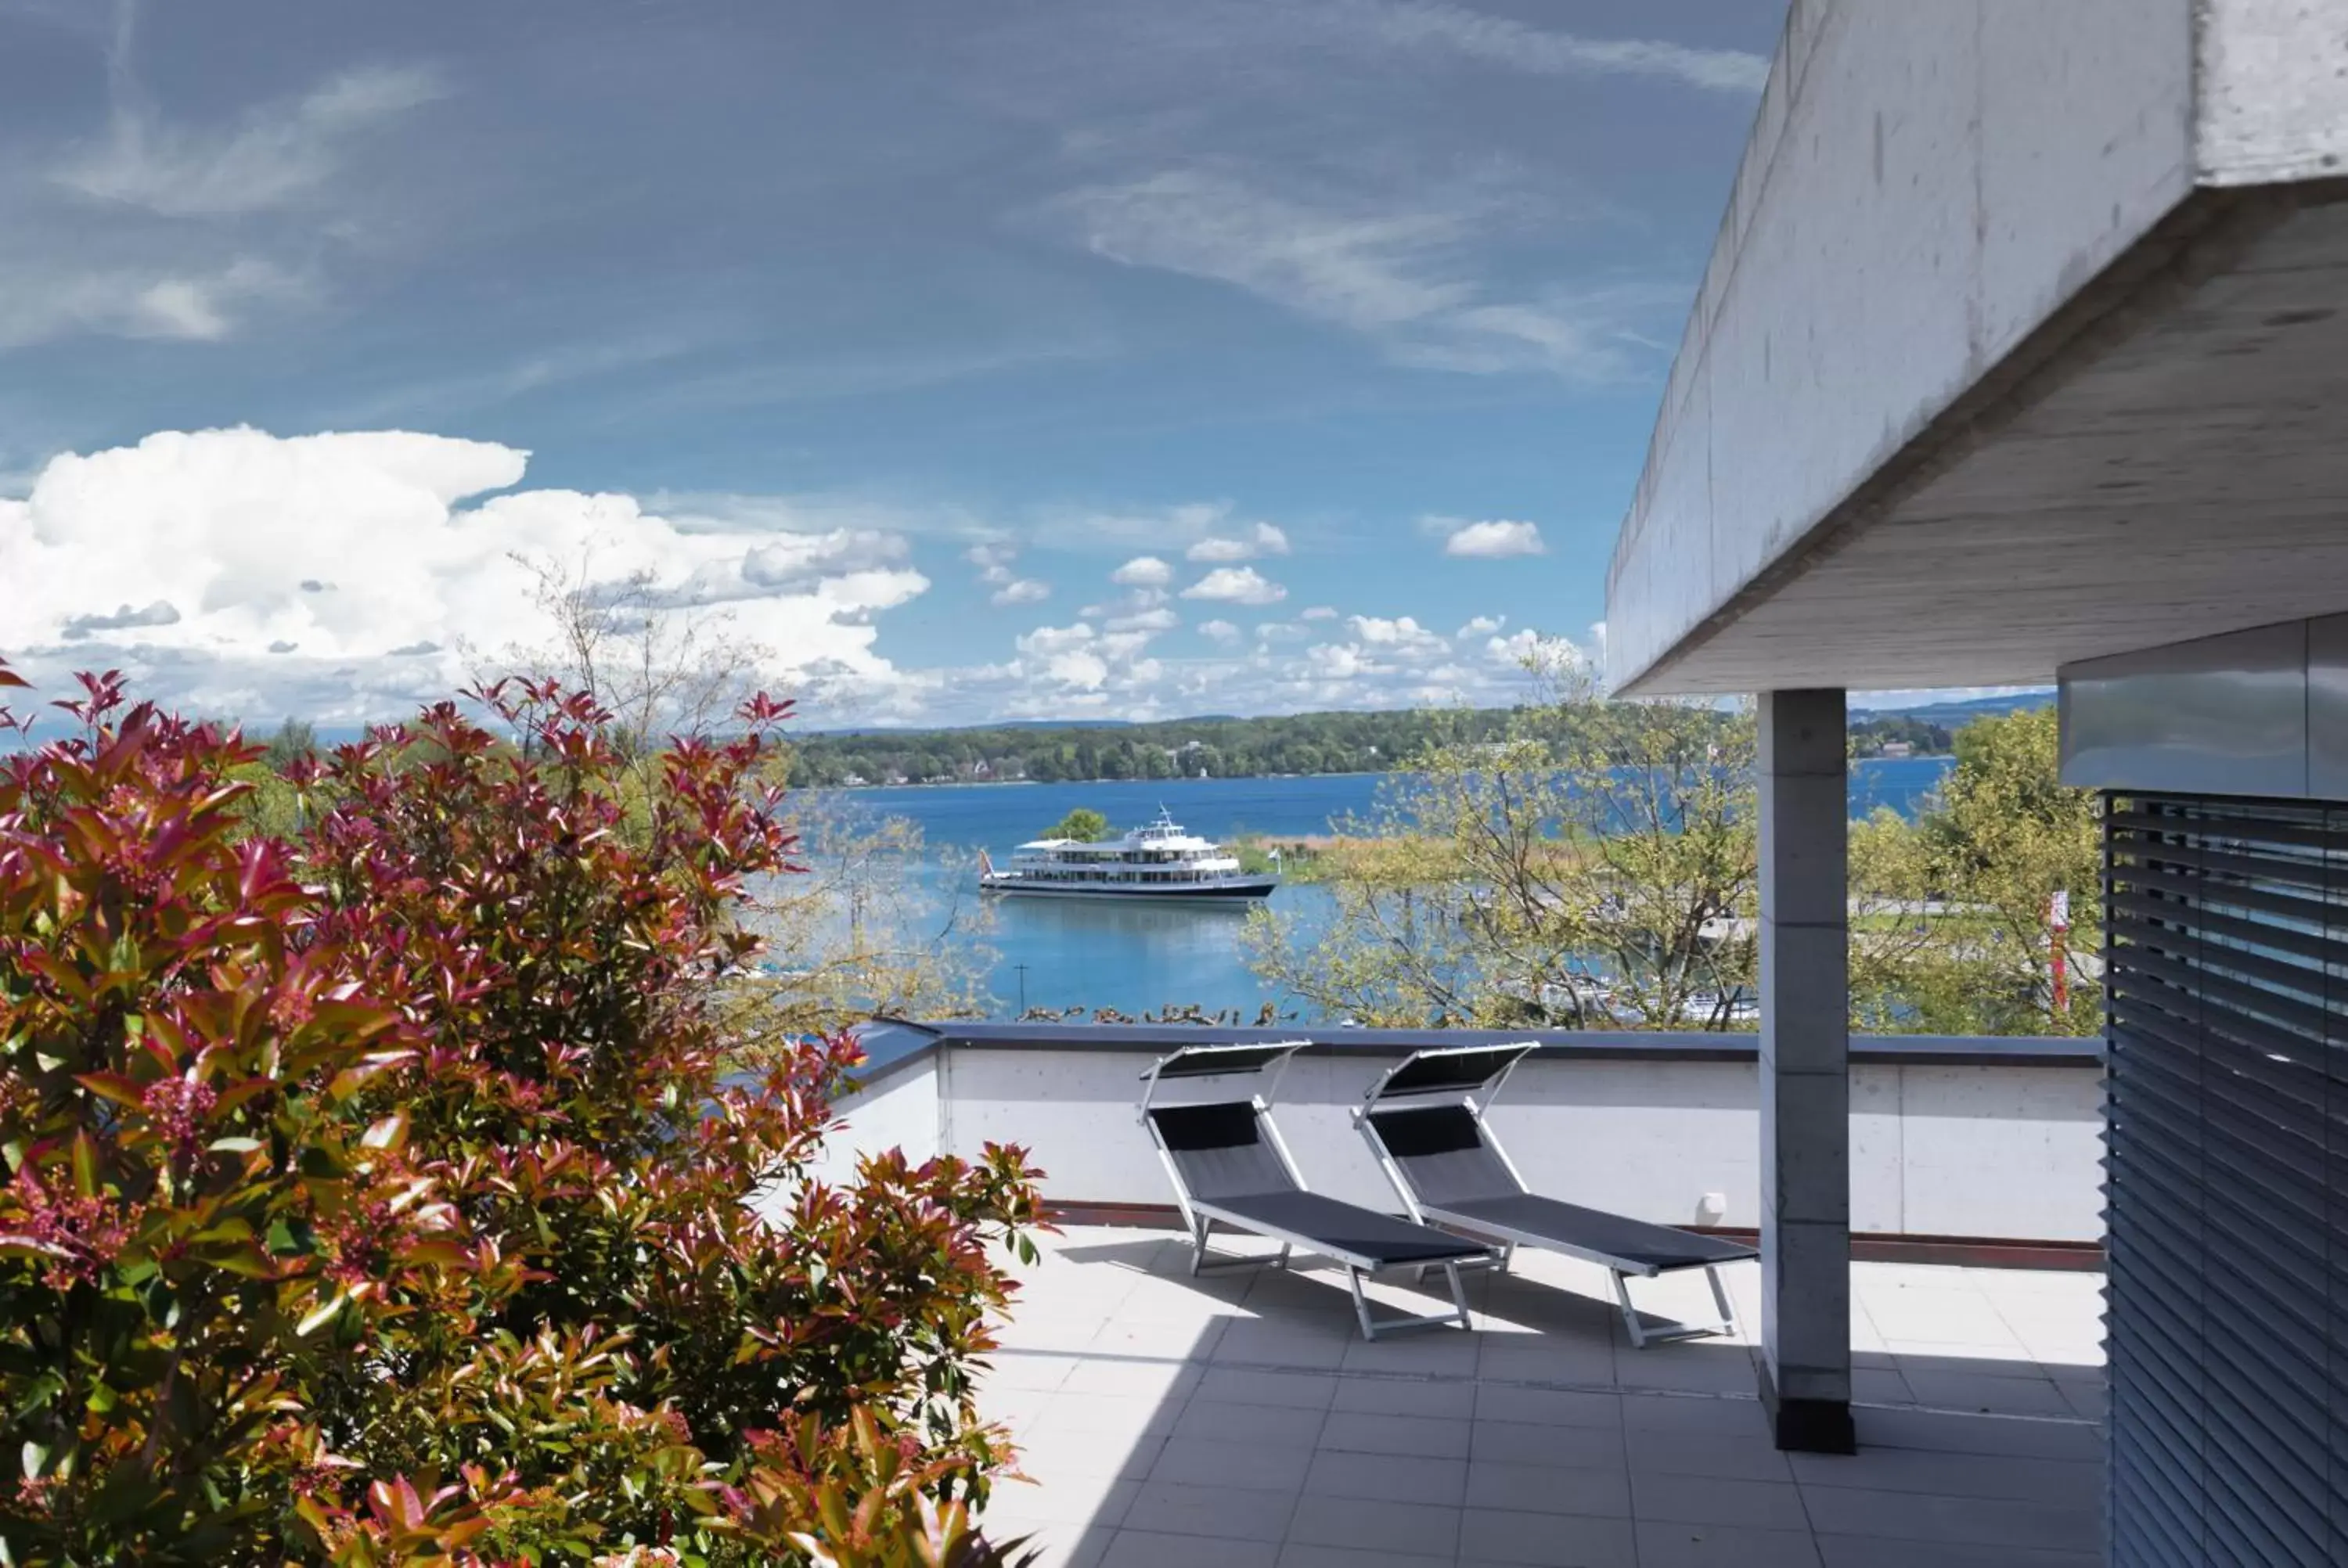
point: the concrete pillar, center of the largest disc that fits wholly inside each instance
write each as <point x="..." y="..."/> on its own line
<point x="1805" y="1071"/>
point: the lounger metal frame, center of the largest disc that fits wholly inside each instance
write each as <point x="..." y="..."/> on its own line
<point x="1199" y="1217"/>
<point x="1620" y="1270"/>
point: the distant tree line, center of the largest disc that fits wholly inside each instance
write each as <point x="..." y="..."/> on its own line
<point x="1897" y="735"/>
<point x="1178" y="748"/>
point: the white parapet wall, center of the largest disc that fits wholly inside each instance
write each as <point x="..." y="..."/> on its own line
<point x="901" y="1108"/>
<point x="2002" y="1149"/>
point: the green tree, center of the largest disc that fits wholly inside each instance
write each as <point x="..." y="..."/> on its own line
<point x="294" y="741"/>
<point x="1953" y="932"/>
<point x="1084" y="825"/>
<point x="1594" y="867"/>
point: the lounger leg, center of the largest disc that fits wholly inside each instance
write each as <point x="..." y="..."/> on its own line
<point x="1630" y="1313"/>
<point x="1361" y="1302"/>
<point x="1640" y="1335"/>
<point x="1459" y="1295"/>
<point x="1720" y="1299"/>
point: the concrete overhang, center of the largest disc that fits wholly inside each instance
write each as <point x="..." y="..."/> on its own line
<point x="2024" y="342"/>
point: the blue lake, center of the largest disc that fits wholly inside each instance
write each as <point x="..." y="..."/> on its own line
<point x="1136" y="959"/>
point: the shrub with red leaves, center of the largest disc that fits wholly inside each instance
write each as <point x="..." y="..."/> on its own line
<point x="383" y="1193"/>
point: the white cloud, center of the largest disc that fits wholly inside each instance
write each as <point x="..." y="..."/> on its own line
<point x="994" y="563"/>
<point x="188" y="558"/>
<point x="1481" y="626"/>
<point x="1147" y="529"/>
<point x="1319" y="612"/>
<point x="1402" y="634"/>
<point x="1236" y="585"/>
<point x="1152" y="620"/>
<point x="1492" y="540"/>
<point x="1336" y="661"/>
<point x="1219" y="630"/>
<point x="1527" y="648"/>
<point x="1076" y="670"/>
<point x="1263" y="540"/>
<point x="1143" y="571"/>
<point x="1405" y="268"/>
<point x="1021" y="590"/>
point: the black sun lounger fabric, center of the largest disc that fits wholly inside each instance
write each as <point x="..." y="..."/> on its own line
<point x="1220" y="1150"/>
<point x="1346" y="1229"/>
<point x="1650" y="1246"/>
<point x="1228" y="1168"/>
<point x="1456" y="1176"/>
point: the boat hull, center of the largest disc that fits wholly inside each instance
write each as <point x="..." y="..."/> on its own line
<point x="1225" y="893"/>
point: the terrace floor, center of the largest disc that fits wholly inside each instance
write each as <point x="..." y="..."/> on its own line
<point x="1241" y="1419"/>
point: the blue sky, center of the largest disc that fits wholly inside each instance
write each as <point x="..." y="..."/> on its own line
<point x="892" y="335"/>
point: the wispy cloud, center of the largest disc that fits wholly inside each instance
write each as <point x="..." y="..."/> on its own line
<point x="1405" y="271"/>
<point x="276" y="155"/>
<point x="1428" y="28"/>
<point x="164" y="228"/>
<point x="190" y="302"/>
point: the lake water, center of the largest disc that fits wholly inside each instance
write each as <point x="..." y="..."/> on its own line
<point x="1138" y="959"/>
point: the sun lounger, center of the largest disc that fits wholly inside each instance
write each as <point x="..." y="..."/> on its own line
<point x="1425" y="1121"/>
<point x="1228" y="1166"/>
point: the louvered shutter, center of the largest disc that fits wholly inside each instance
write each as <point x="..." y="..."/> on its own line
<point x="2227" y="1180"/>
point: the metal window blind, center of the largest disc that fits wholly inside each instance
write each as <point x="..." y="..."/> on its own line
<point x="2227" y="1180"/>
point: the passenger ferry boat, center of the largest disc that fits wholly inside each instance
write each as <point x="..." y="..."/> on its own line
<point x="1160" y="861"/>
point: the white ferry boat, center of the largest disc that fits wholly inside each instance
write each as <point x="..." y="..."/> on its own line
<point x="1160" y="861"/>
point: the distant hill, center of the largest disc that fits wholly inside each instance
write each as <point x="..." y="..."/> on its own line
<point x="1953" y="714"/>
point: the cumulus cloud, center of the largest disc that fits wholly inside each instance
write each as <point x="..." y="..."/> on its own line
<point x="1528" y="649"/>
<point x="1143" y="571"/>
<point x="1263" y="540"/>
<point x="162" y="612"/>
<point x="1319" y="612"/>
<point x="1481" y="626"/>
<point x="1497" y="539"/>
<point x="1219" y="630"/>
<point x="994" y="563"/>
<point x="1025" y="590"/>
<point x="206" y="563"/>
<point x="1076" y="670"/>
<point x="1401" y="633"/>
<point x="1236" y="585"/>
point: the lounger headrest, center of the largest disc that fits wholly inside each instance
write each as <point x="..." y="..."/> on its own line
<point x="1225" y="1125"/>
<point x="1451" y="1070"/>
<point x="1427" y="1130"/>
<point x="1214" y="1060"/>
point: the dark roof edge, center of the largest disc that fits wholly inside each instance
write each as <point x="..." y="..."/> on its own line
<point x="1626" y="1045"/>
